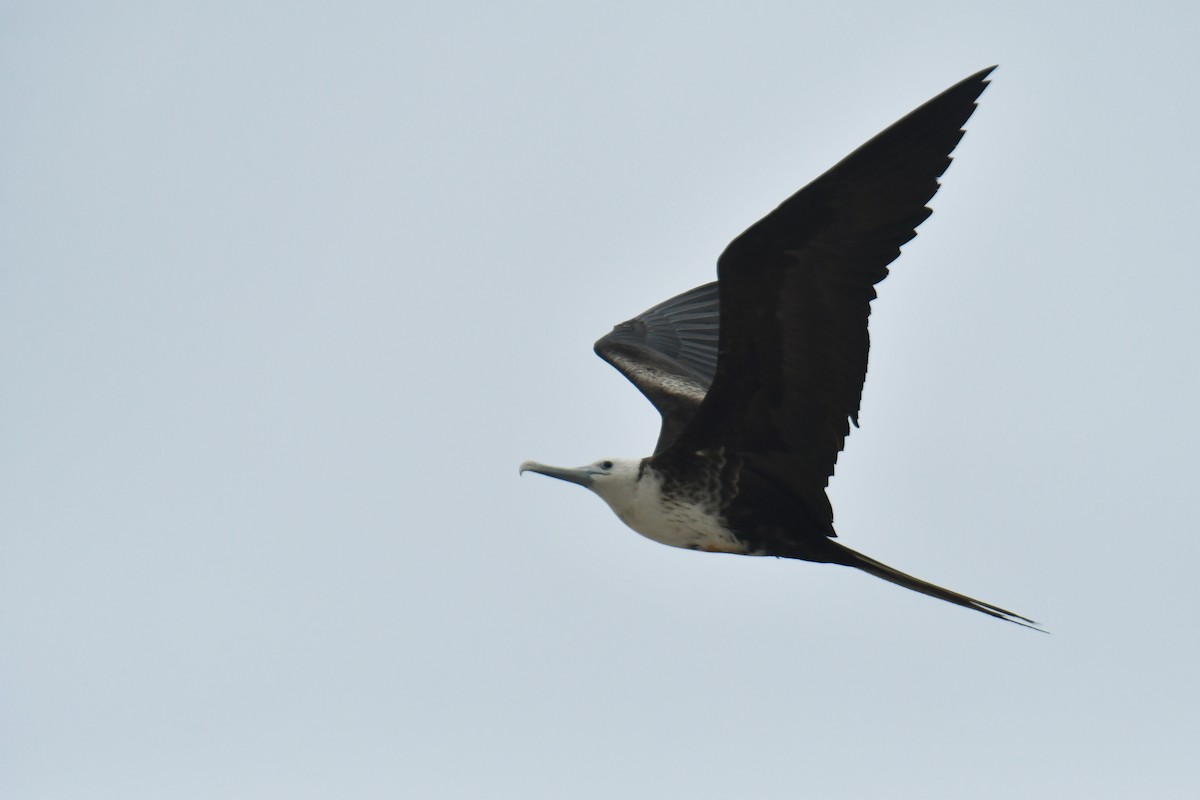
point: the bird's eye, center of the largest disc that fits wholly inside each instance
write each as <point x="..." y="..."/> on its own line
<point x="606" y="464"/>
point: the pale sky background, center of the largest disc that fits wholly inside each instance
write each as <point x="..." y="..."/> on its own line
<point x="288" y="291"/>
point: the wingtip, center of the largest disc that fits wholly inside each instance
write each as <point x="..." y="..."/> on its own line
<point x="984" y="74"/>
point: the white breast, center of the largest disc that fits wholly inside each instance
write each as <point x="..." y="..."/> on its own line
<point x="694" y="526"/>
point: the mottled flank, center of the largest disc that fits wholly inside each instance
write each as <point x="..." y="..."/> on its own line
<point x="687" y="515"/>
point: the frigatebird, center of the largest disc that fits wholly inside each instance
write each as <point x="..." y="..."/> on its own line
<point x="758" y="376"/>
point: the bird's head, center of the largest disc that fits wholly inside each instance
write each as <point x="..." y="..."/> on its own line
<point x="608" y="477"/>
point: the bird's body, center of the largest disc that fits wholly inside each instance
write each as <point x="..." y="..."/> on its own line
<point x="759" y="376"/>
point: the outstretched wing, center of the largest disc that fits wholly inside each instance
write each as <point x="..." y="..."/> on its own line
<point x="670" y="354"/>
<point x="795" y="294"/>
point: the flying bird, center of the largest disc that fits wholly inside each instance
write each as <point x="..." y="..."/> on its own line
<point x="759" y="375"/>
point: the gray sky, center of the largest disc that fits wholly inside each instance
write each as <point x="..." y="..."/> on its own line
<point x="289" y="290"/>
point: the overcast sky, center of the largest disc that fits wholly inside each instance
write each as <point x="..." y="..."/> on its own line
<point x="288" y="291"/>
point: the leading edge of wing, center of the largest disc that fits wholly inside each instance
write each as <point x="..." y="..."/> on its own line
<point x="669" y="352"/>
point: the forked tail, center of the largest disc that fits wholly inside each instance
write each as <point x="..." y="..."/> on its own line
<point x="851" y="558"/>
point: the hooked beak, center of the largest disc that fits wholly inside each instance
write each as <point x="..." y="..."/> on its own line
<point x="581" y="475"/>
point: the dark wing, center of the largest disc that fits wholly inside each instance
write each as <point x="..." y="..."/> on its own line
<point x="795" y="294"/>
<point x="670" y="354"/>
